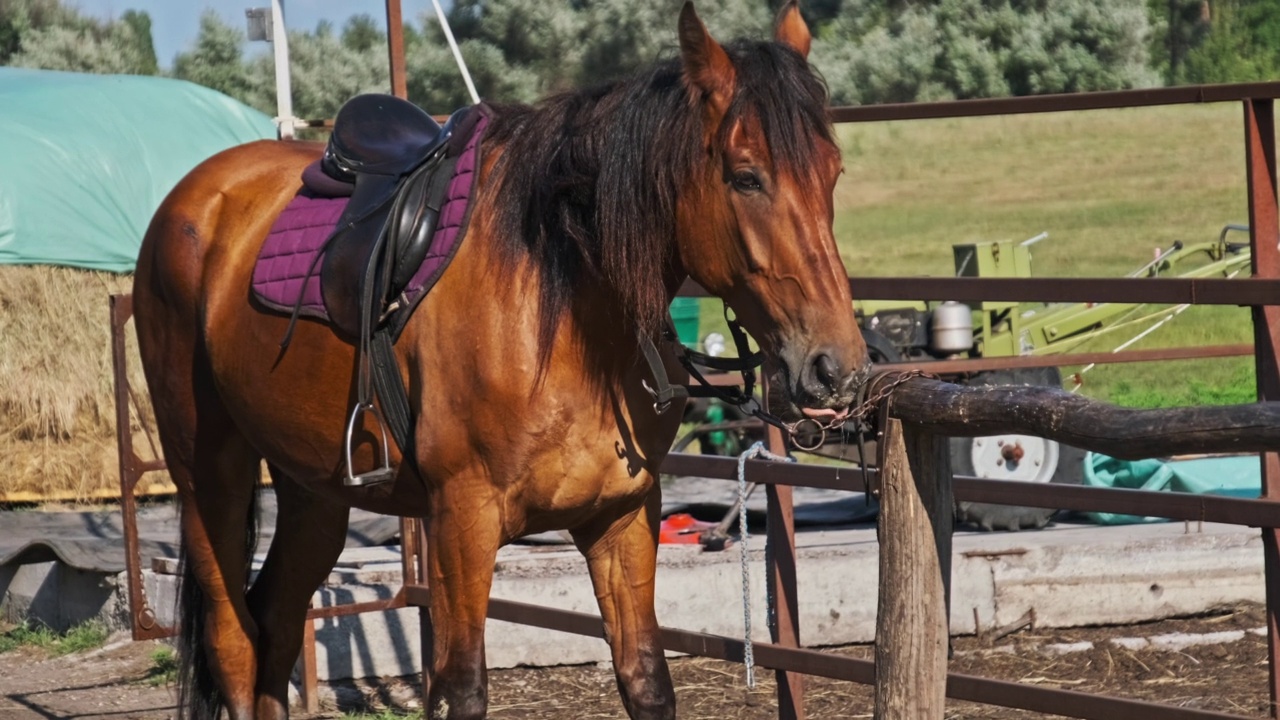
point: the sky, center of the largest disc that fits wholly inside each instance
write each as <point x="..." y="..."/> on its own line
<point x="174" y="23"/>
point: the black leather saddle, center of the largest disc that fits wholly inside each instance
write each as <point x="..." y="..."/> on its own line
<point x="394" y="154"/>
<point x="399" y="161"/>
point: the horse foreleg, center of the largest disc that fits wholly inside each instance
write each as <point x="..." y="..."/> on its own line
<point x="622" y="558"/>
<point x="464" y="532"/>
<point x="310" y="533"/>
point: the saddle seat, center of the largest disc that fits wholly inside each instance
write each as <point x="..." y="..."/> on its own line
<point x="396" y="158"/>
<point x="381" y="135"/>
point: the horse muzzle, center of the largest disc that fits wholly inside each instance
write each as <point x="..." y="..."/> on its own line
<point x="822" y="388"/>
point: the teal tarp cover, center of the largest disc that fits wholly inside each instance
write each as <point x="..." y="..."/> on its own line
<point x="1234" y="475"/>
<point x="85" y="160"/>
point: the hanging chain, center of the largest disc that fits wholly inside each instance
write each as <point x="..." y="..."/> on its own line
<point x="757" y="449"/>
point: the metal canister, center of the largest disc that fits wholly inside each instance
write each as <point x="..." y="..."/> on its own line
<point x="951" y="328"/>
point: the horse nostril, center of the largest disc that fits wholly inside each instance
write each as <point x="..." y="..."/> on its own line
<point x="827" y="371"/>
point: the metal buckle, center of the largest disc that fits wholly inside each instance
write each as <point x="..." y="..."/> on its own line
<point x="379" y="474"/>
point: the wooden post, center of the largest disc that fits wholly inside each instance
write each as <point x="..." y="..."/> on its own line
<point x="915" y="549"/>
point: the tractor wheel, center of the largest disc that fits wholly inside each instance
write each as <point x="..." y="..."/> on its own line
<point x="1010" y="456"/>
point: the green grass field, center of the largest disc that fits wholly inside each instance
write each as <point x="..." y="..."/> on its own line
<point x="1108" y="186"/>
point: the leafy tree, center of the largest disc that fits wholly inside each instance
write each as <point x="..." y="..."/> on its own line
<point x="19" y="17"/>
<point x="140" y="25"/>
<point x="982" y="48"/>
<point x="325" y="71"/>
<point x="1231" y="50"/>
<point x="361" y="34"/>
<point x="89" y="47"/>
<point x="216" y="62"/>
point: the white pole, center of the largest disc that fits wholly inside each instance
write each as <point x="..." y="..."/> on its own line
<point x="457" y="55"/>
<point x="284" y="90"/>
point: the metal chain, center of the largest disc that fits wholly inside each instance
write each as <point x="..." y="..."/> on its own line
<point x="757" y="449"/>
<point x="877" y="393"/>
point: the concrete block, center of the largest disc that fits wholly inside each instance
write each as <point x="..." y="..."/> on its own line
<point x="60" y="596"/>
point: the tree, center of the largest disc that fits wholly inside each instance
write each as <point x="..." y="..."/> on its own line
<point x="887" y="52"/>
<point x="216" y="62"/>
<point x="325" y="70"/>
<point x="20" y="17"/>
<point x="361" y="34"/>
<point x="145" y="50"/>
<point x="92" y="47"/>
<point x="1231" y="50"/>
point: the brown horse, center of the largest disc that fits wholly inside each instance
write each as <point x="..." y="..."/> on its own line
<point x="527" y="398"/>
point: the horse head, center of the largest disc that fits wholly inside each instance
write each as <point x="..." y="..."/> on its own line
<point x="754" y="223"/>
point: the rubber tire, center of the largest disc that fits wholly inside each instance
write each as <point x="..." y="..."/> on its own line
<point x="1070" y="470"/>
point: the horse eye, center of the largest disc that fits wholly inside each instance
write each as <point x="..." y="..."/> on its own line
<point x="746" y="181"/>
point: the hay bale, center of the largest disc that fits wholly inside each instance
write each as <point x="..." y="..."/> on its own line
<point x="57" y="406"/>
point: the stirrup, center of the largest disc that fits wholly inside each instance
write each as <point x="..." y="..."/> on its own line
<point x="376" y="475"/>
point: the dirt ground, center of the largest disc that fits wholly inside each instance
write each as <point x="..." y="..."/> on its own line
<point x="1228" y="677"/>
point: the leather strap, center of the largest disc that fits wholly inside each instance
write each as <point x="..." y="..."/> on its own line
<point x="392" y="395"/>
<point x="664" y="392"/>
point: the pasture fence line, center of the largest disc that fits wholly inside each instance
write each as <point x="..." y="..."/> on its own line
<point x="911" y="476"/>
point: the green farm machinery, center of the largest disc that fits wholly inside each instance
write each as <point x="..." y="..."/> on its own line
<point x="898" y="331"/>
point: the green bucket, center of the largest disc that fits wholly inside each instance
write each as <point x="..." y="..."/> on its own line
<point x="685" y="313"/>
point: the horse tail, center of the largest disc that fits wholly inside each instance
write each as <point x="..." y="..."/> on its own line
<point x="199" y="696"/>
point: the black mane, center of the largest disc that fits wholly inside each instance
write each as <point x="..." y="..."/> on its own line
<point x="587" y="184"/>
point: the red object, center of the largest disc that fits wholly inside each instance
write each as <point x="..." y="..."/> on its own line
<point x="682" y="529"/>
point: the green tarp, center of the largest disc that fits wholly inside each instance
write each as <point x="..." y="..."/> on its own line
<point x="1234" y="475"/>
<point x="85" y="160"/>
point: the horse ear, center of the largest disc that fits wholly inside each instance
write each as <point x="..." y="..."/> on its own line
<point x="791" y="30"/>
<point x="707" y="67"/>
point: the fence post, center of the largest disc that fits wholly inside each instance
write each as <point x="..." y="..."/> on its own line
<point x="915" y="566"/>
<point x="783" y="594"/>
<point x="1260" y="164"/>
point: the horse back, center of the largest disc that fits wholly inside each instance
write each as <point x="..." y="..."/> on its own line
<point x="223" y="207"/>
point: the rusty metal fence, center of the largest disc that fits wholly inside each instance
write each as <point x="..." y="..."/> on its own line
<point x="784" y="654"/>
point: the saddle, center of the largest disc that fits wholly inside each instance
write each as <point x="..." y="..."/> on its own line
<point x="398" y="162"/>
<point x="394" y="155"/>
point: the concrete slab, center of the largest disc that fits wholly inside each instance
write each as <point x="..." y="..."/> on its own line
<point x="1070" y="575"/>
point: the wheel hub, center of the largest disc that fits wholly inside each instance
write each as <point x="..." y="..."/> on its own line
<point x="1014" y="457"/>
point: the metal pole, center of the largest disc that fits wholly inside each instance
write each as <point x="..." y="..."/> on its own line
<point x="395" y="49"/>
<point x="784" y="605"/>
<point x="1264" y="233"/>
<point x="284" y="89"/>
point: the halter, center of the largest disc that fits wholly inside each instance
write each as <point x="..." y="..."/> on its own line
<point x="871" y="395"/>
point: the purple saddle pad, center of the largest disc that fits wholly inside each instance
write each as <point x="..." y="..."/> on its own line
<point x="295" y="240"/>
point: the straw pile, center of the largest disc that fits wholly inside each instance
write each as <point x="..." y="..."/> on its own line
<point x="57" y="407"/>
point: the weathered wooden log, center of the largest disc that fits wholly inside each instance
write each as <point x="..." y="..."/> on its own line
<point x="963" y="411"/>
<point x="915" y="522"/>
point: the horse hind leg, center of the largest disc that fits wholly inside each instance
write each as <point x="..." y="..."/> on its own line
<point x="622" y="554"/>
<point x="310" y="533"/>
<point x="217" y="490"/>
